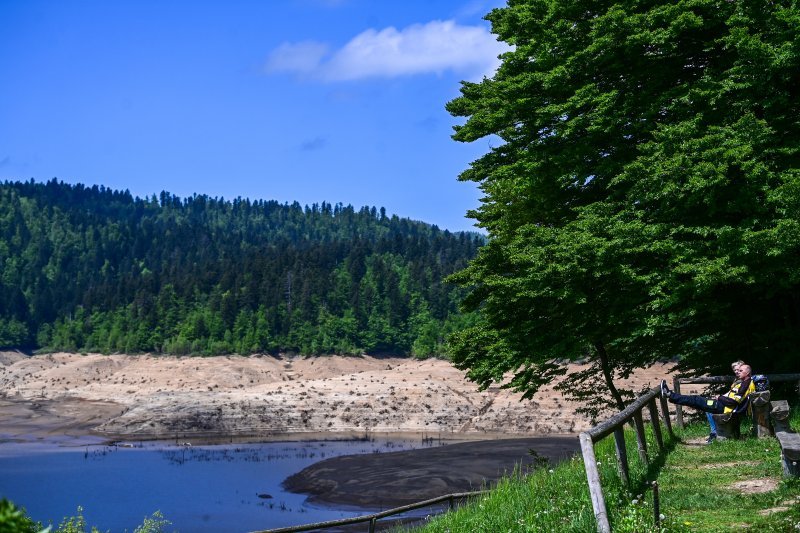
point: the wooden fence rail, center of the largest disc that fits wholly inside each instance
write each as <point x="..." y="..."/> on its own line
<point x="615" y="425"/>
<point x="708" y="380"/>
<point x="373" y="518"/>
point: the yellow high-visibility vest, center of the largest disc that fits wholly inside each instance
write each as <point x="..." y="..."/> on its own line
<point x="734" y="395"/>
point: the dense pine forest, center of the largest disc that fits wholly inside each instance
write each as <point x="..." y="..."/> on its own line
<point x="94" y="269"/>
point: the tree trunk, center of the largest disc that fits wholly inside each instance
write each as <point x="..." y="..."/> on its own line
<point x="604" y="365"/>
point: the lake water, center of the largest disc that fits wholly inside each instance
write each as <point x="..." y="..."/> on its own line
<point x="198" y="488"/>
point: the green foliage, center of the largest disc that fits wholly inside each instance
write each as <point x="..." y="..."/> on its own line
<point x="91" y="269"/>
<point x="642" y="202"/>
<point x="153" y="524"/>
<point x="75" y="524"/>
<point x="14" y="520"/>
<point x="12" y="332"/>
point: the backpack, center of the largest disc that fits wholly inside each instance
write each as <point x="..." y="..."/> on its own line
<point x="761" y="382"/>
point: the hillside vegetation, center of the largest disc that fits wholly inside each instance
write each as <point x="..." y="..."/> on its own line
<point x="94" y="269"/>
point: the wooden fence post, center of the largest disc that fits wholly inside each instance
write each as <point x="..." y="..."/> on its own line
<point x="595" y="489"/>
<point x="676" y="386"/>
<point x="665" y="415"/>
<point x="651" y="407"/>
<point x="622" y="455"/>
<point x="656" y="505"/>
<point x="641" y="441"/>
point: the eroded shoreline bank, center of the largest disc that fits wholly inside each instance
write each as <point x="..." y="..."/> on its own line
<point x="164" y="397"/>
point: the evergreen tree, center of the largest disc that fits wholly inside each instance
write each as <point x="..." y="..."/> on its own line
<point x="96" y="269"/>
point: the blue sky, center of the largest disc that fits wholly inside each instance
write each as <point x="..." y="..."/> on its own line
<point x="307" y="100"/>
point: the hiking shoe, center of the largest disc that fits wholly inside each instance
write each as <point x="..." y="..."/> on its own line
<point x="711" y="438"/>
<point x="665" y="392"/>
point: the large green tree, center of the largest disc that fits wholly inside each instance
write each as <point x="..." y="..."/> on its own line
<point x="642" y="196"/>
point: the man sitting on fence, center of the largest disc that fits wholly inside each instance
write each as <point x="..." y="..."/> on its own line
<point x="735" y="400"/>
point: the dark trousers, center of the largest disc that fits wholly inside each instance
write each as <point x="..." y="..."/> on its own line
<point x="698" y="402"/>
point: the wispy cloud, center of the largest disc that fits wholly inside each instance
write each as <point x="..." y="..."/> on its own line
<point x="435" y="47"/>
<point x="301" y="57"/>
<point x="6" y="161"/>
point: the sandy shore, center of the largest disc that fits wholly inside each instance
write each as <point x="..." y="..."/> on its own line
<point x="261" y="396"/>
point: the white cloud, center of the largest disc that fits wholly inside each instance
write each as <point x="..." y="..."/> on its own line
<point x="435" y="47"/>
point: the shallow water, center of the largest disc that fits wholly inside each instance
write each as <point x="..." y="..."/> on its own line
<point x="197" y="488"/>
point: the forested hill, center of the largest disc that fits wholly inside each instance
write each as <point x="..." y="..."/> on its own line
<point x="89" y="268"/>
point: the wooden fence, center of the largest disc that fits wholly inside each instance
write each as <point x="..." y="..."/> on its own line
<point x="615" y="425"/>
<point x="373" y="518"/>
<point x="677" y="381"/>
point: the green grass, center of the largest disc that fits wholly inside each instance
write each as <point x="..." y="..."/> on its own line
<point x="694" y="487"/>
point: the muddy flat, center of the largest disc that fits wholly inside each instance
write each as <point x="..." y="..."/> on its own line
<point x="394" y="479"/>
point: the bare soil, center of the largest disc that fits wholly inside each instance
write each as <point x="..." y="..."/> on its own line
<point x="755" y="486"/>
<point x="783" y="506"/>
<point x="733" y="464"/>
<point x="263" y="396"/>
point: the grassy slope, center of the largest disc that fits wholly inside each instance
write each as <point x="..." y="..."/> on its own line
<point x="694" y="483"/>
